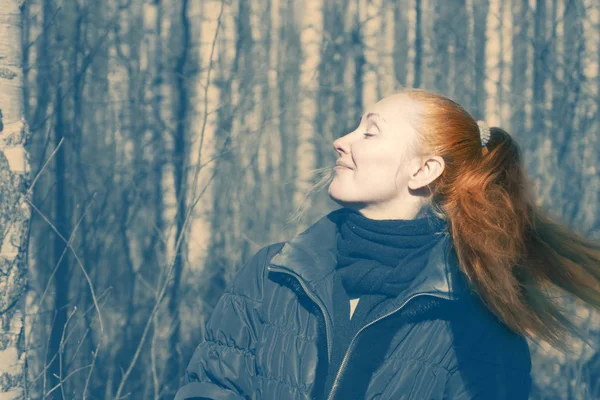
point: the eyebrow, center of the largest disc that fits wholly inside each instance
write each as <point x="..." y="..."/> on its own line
<point x="374" y="117"/>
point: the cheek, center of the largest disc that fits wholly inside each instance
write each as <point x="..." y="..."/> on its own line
<point x="381" y="170"/>
<point x="378" y="162"/>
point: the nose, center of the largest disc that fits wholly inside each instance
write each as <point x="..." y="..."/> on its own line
<point x="340" y="145"/>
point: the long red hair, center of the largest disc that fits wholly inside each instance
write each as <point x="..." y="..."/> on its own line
<point x="515" y="256"/>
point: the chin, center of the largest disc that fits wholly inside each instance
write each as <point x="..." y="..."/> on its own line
<point x="335" y="191"/>
<point x="344" y="201"/>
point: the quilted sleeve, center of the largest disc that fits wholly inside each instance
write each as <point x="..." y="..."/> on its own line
<point x="223" y="365"/>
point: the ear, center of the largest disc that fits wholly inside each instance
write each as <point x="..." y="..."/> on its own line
<point x="428" y="169"/>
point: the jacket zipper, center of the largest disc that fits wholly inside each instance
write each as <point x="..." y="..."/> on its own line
<point x="315" y="299"/>
<point x="346" y="356"/>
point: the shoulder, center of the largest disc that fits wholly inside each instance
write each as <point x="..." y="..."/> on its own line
<point x="249" y="279"/>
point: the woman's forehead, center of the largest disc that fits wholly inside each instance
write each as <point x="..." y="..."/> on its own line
<point x="390" y="110"/>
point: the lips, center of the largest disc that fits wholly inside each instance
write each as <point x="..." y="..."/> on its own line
<point x="342" y="164"/>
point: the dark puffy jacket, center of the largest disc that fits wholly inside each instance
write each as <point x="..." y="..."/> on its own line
<point x="269" y="336"/>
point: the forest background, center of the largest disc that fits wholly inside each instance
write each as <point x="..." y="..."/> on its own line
<point x="169" y="140"/>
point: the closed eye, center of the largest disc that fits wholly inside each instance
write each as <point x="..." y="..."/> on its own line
<point x="368" y="134"/>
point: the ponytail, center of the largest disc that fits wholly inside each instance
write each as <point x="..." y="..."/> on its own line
<point x="514" y="256"/>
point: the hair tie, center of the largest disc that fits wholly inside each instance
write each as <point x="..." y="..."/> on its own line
<point x="484" y="132"/>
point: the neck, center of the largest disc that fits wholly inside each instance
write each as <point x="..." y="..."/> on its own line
<point x="377" y="212"/>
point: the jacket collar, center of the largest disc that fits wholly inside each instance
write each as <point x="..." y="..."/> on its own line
<point x="311" y="256"/>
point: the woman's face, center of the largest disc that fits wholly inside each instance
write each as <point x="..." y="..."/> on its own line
<point x="380" y="157"/>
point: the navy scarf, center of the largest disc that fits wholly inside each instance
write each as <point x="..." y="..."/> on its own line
<point x="383" y="256"/>
<point x="376" y="261"/>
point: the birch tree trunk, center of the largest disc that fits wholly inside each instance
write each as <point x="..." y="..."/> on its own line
<point x="14" y="210"/>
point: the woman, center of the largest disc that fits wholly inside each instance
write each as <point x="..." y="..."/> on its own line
<point x="424" y="285"/>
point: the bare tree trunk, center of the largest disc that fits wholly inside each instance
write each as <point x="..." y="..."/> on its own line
<point x="14" y="209"/>
<point x="156" y="249"/>
<point x="540" y="65"/>
<point x="418" y="44"/>
<point x="181" y="114"/>
<point x="518" y="84"/>
<point x="290" y="61"/>
<point x="61" y="263"/>
<point x="401" y="45"/>
<point x="42" y="80"/>
<point x="501" y="65"/>
<point x="461" y="84"/>
<point x="480" y="12"/>
<point x="25" y="40"/>
<point x="358" y="46"/>
<point x="574" y="78"/>
<point x="441" y="45"/>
